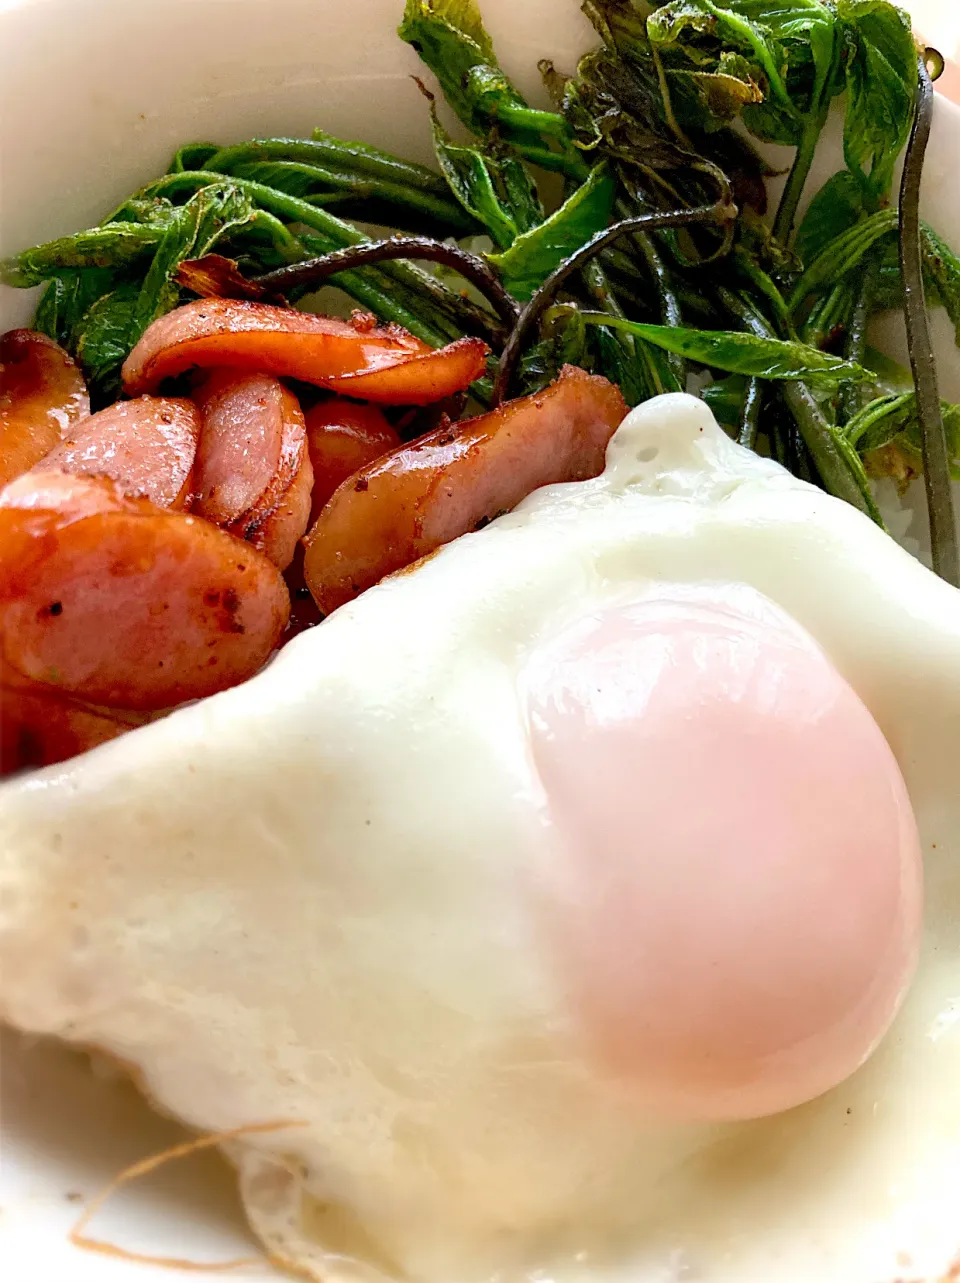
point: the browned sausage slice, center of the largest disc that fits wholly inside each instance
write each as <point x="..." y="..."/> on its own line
<point x="146" y="446"/>
<point x="118" y="602"/>
<point x="239" y="451"/>
<point x="42" y="394"/>
<point x="253" y="473"/>
<point x="383" y="364"/>
<point x="454" y="480"/>
<point x="343" y="436"/>
<point x="280" y="532"/>
<point x="40" y="726"/>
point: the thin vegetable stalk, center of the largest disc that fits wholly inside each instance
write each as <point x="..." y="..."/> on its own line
<point x="332" y="164"/>
<point x="721" y="213"/>
<point x="451" y="315"/>
<point x="764" y="285"/>
<point x="755" y="396"/>
<point x="648" y="371"/>
<point x="748" y="428"/>
<point x="451" y="40"/>
<point x="670" y="310"/>
<point x="315" y="271"/>
<point x="855" y="348"/>
<point x="831" y="314"/>
<point x="652" y="371"/>
<point x="836" y="460"/>
<point x="385" y="299"/>
<point x="944" y="545"/>
<point x="799" y="172"/>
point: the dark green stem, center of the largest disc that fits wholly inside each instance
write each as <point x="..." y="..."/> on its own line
<point x="764" y="285"/>
<point x="670" y="311"/>
<point x="476" y="270"/>
<point x="797" y="180"/>
<point x="936" y="460"/>
<point x="750" y="414"/>
<point x="397" y="184"/>
<point x="852" y="395"/>
<point x="387" y="300"/>
<point x="837" y="462"/>
<point x="370" y="160"/>
<point x="720" y="214"/>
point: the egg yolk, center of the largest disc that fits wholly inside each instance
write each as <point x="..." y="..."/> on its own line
<point x="733" y="894"/>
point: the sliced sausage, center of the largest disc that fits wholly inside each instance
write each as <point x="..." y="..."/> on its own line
<point x="239" y="452"/>
<point x="147" y="446"/>
<point x="343" y="436"/>
<point x="454" y="480"/>
<point x="280" y="532"/>
<point x="40" y="726"/>
<point x="42" y="395"/>
<point x="385" y="364"/>
<point x="115" y="601"/>
<point x="253" y="474"/>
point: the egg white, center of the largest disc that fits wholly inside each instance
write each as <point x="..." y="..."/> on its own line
<point x="303" y="900"/>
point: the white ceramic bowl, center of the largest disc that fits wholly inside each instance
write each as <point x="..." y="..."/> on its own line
<point x="95" y="96"/>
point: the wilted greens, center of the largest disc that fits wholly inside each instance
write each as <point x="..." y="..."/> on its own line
<point x="666" y="114"/>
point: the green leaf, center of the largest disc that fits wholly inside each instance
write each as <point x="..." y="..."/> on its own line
<point x="740" y="353"/>
<point x="723" y="93"/>
<point x="881" y="78"/>
<point x="115" y="323"/>
<point x="617" y="109"/>
<point x="878" y="422"/>
<point x="790" y="52"/>
<point x="214" y="212"/>
<point x="115" y="245"/>
<point x="450" y="37"/>
<point x="892" y="420"/>
<point x="520" y="190"/>
<point x="836" y="207"/>
<point x="725" y="399"/>
<point x="671" y="23"/>
<point x="463" y="16"/>
<point x="477" y="181"/>
<point x="842" y="254"/>
<point x="104" y="341"/>
<point x="66" y="301"/>
<point x="564" y="342"/>
<point x="943" y="268"/>
<point x="535" y="254"/>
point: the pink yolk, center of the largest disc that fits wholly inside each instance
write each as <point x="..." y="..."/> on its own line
<point x="733" y="899"/>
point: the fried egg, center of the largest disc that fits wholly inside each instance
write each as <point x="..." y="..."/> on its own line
<point x="559" y="899"/>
